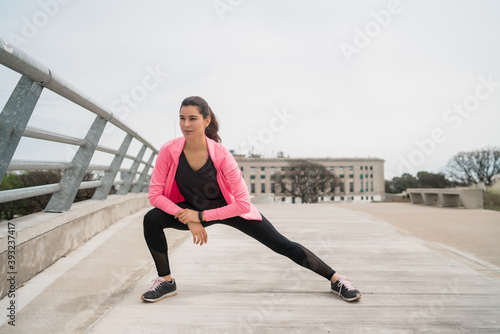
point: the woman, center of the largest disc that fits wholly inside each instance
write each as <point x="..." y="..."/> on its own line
<point x="197" y="183"/>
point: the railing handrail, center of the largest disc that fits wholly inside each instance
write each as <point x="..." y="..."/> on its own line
<point x="36" y="133"/>
<point x="13" y="125"/>
<point x="45" y="189"/>
<point x="51" y="165"/>
<point x="21" y="62"/>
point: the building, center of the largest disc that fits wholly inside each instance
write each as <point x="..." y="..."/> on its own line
<point x="361" y="179"/>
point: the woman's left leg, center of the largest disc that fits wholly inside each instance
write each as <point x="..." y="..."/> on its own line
<point x="266" y="233"/>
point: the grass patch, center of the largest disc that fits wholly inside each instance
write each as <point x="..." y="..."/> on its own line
<point x="492" y="199"/>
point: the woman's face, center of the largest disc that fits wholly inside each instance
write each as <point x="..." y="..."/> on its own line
<point x="191" y="122"/>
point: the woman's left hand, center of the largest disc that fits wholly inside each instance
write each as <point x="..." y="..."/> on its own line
<point x="187" y="216"/>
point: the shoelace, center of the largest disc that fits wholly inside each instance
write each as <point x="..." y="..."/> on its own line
<point x="344" y="281"/>
<point x="156" y="283"/>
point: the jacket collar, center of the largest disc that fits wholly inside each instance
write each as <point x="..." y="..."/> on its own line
<point x="213" y="150"/>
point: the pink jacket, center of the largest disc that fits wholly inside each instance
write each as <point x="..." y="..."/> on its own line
<point x="164" y="193"/>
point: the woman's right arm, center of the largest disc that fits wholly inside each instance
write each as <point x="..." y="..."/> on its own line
<point x="157" y="184"/>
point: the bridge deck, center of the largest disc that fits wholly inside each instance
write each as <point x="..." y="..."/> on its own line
<point x="235" y="285"/>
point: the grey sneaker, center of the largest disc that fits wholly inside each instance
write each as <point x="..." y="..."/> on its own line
<point x="161" y="289"/>
<point x="343" y="288"/>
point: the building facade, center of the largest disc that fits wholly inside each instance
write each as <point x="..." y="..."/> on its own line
<point x="361" y="179"/>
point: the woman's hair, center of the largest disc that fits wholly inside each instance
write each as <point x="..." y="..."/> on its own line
<point x="204" y="109"/>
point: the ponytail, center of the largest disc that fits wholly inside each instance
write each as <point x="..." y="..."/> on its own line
<point x="211" y="131"/>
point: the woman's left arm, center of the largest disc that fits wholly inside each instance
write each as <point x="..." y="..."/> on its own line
<point x="237" y="187"/>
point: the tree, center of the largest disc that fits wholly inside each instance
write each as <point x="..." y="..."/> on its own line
<point x="38" y="178"/>
<point x="432" y="180"/>
<point x="423" y="180"/>
<point x="9" y="209"/>
<point x="306" y="180"/>
<point x="475" y="166"/>
<point x="400" y="184"/>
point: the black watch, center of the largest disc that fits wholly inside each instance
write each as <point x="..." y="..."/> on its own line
<point x="200" y="216"/>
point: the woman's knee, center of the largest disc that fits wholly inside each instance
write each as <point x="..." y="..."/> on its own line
<point x="284" y="247"/>
<point x="152" y="219"/>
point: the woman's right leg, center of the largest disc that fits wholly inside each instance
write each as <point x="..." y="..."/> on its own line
<point x="154" y="222"/>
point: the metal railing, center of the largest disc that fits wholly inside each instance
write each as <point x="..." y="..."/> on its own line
<point x="13" y="125"/>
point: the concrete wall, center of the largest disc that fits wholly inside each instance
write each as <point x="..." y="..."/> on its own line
<point x="42" y="238"/>
<point x="448" y="197"/>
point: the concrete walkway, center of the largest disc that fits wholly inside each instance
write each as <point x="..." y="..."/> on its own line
<point x="235" y="285"/>
<point x="474" y="232"/>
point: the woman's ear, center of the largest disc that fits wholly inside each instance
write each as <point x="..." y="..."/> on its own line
<point x="207" y="121"/>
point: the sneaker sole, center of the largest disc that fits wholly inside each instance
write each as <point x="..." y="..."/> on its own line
<point x="158" y="299"/>
<point x="346" y="299"/>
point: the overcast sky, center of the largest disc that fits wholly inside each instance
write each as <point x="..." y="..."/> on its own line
<point x="410" y="82"/>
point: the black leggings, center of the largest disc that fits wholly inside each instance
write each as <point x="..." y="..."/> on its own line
<point x="263" y="231"/>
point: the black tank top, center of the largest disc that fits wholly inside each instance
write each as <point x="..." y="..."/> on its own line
<point x="199" y="188"/>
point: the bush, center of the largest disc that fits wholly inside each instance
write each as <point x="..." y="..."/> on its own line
<point x="22" y="207"/>
<point x="492" y="199"/>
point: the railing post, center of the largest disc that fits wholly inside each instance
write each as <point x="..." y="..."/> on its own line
<point x="14" y="118"/>
<point x="107" y="180"/>
<point x="146" y="186"/>
<point x="62" y="200"/>
<point x="124" y="188"/>
<point x="140" y="182"/>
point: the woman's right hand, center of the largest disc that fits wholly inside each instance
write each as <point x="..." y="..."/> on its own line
<point x="200" y="236"/>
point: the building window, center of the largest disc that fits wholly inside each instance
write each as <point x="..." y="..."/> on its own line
<point x="361" y="176"/>
<point x="252" y="177"/>
<point x="241" y="168"/>
<point x="371" y="176"/>
<point x="351" y="187"/>
<point x="273" y="187"/>
<point x="351" y="168"/>
<point x="341" y="176"/>
<point x="262" y="188"/>
<point x="262" y="176"/>
<point x="262" y="168"/>
<point x="273" y="169"/>
<point x="371" y="167"/>
<point x="361" y="167"/>
<point x="371" y="186"/>
<point x="282" y="169"/>
<point x="341" y="168"/>
<point x="332" y="168"/>
<point x="366" y="168"/>
<point x="252" y="188"/>
<point x="341" y="187"/>
<point x="252" y="169"/>
<point x="351" y="176"/>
